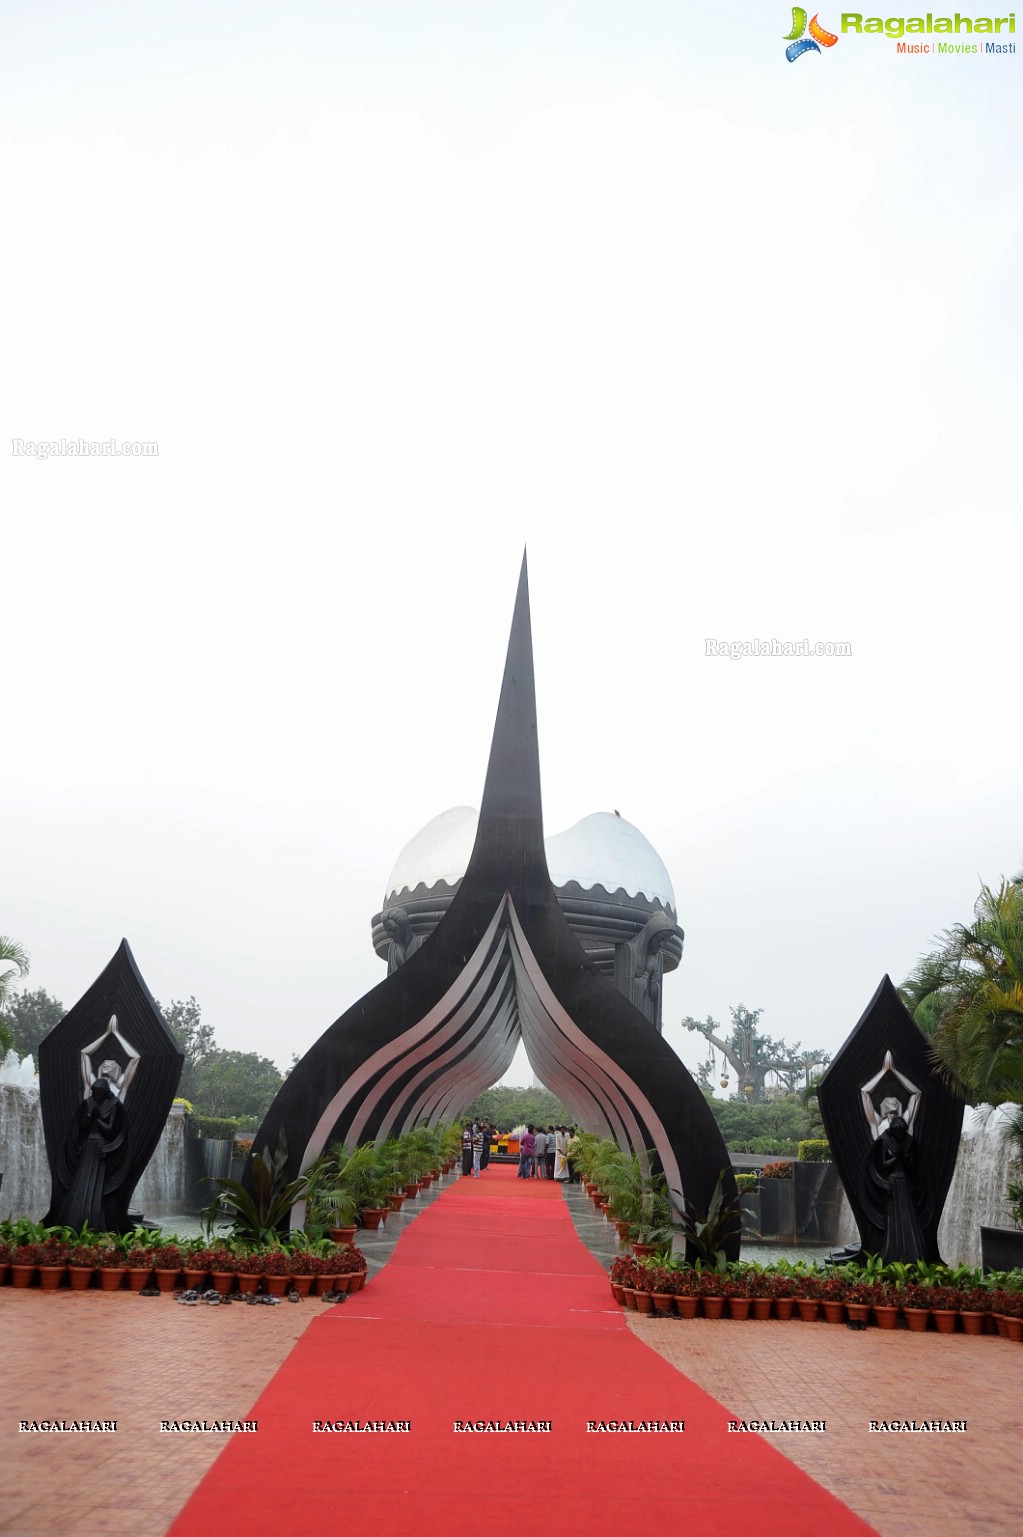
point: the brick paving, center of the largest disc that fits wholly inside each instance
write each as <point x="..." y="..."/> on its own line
<point x="139" y="1360"/>
<point x="88" y="1355"/>
<point x="904" y="1485"/>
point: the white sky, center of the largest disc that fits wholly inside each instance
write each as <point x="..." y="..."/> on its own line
<point x="733" y="345"/>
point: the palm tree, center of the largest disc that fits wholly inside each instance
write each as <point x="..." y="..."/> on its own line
<point x="972" y="991"/>
<point x="15" y="958"/>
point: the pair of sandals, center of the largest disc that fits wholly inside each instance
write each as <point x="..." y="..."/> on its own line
<point x="192" y="1298"/>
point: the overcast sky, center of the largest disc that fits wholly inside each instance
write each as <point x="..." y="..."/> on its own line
<point x="731" y="344"/>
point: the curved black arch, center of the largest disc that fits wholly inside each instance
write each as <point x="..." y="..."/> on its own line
<point x="502" y="964"/>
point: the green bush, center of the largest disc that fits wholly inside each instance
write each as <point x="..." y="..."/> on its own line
<point x="765" y="1147"/>
<point x="746" y="1181"/>
<point x="815" y="1150"/>
<point x="218" y="1128"/>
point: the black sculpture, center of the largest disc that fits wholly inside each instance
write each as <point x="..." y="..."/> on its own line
<point x="107" y="1076"/>
<point x="502" y="965"/>
<point x="894" y="1129"/>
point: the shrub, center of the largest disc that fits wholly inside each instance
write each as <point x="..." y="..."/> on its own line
<point x="218" y="1128"/>
<point x="814" y="1150"/>
<point x="776" y="1171"/>
<point x="746" y="1182"/>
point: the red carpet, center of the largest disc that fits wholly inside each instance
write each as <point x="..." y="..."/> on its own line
<point x="491" y="1309"/>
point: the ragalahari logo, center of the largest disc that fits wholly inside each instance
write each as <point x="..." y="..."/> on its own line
<point x="800" y="44"/>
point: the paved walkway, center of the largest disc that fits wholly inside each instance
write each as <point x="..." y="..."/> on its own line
<point x="140" y="1360"/>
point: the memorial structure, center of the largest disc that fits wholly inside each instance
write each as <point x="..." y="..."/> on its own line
<point x="894" y="1128"/>
<point x="498" y="962"/>
<point x="108" y="1073"/>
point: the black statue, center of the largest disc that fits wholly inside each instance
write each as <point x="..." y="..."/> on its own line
<point x="894" y="1132"/>
<point x="404" y="941"/>
<point x="96" y="1161"/>
<point x="116" y="1048"/>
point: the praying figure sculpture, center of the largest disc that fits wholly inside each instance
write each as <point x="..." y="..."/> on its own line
<point x="107" y="1075"/>
<point x="893" y="1132"/>
<point x="891" y="1174"/>
<point x="97" y="1153"/>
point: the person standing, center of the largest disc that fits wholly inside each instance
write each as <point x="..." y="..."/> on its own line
<point x="466" y="1149"/>
<point x="540" y="1154"/>
<point x="571" y="1149"/>
<point x="550" y="1152"/>
<point x="477" y="1148"/>
<point x="488" y="1137"/>
<point x="560" y="1166"/>
<point x="526" y="1146"/>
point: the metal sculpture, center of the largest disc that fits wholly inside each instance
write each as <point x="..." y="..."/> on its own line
<point x="894" y="1129"/>
<point x="502" y="965"/>
<point x="114" y="1048"/>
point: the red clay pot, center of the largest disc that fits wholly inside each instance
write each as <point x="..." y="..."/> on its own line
<point x="887" y="1316"/>
<point x="713" y="1307"/>
<point x="784" y="1307"/>
<point x="762" y="1307"/>
<point x="917" y="1318"/>
<point x="50" y="1276"/>
<point x="808" y="1308"/>
<point x="111" y="1279"/>
<point x="834" y="1312"/>
<point x="973" y="1323"/>
<point x="738" y="1307"/>
<point x="80" y="1276"/>
<point x="687" y="1306"/>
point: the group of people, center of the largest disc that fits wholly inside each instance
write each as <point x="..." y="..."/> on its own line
<point x="543" y="1154"/>
<point x="476" y="1139"/>
<point x="549" y="1154"/>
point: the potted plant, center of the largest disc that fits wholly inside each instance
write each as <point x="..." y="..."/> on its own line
<point x="82" y="1259"/>
<point x="249" y="1267"/>
<point x="111" y="1264"/>
<point x="276" y="1271"/>
<point x="167" y="1262"/>
<point x="52" y="1262"/>
<point x="138" y="1263"/>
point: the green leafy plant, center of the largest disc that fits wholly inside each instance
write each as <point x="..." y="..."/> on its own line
<point x="254" y="1216"/>
<point x="707" y="1232"/>
<point x="814" y="1150"/>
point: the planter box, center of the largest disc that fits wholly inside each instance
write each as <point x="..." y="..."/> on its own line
<point x="1001" y="1248"/>
<point x="818" y="1202"/>
<point x="206" y="1159"/>
<point x="749" y="1200"/>
<point x="778" y="1209"/>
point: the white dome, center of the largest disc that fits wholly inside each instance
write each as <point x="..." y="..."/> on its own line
<point x="601" y="850"/>
<point x="438" y="852"/>
<point x="605" y="850"/>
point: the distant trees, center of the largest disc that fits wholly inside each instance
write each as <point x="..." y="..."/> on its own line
<point x="754" y="1056"/>
<point x="28" y="1017"/>
<point x="218" y="1082"/>
<point x="506" y="1107"/>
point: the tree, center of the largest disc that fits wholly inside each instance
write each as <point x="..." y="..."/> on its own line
<point x="195" y="1038"/>
<point x="236" y="1083"/>
<point x="970" y="992"/>
<point x="754" y="1055"/>
<point x="13" y="963"/>
<point x="507" y="1107"/>
<point x="30" y="1016"/>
